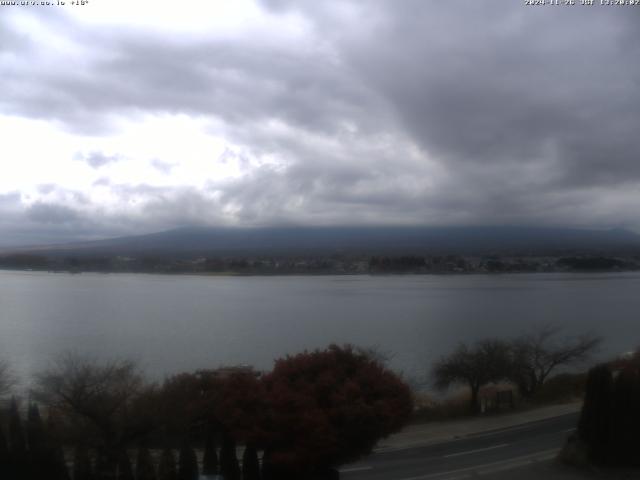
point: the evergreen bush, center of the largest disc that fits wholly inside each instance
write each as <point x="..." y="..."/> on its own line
<point x="210" y="458"/>
<point x="187" y="463"/>
<point x="144" y="465"/>
<point x="250" y="464"/>
<point x="167" y="467"/>
<point x="229" y="467"/>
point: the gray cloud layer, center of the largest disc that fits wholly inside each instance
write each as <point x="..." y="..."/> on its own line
<point x="97" y="159"/>
<point x="436" y="112"/>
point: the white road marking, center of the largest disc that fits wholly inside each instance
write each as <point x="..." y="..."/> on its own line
<point x="468" y="436"/>
<point x="498" y="431"/>
<point x="469" y="452"/>
<point x="356" y="469"/>
<point x="516" y="464"/>
<point x="487" y="467"/>
<point x="459" y="477"/>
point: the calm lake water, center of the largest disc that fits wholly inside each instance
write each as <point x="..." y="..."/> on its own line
<point x="177" y="323"/>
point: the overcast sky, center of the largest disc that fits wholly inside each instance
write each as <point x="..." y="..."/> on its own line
<point x="132" y="116"/>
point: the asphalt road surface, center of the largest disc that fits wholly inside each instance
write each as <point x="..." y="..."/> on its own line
<point x="473" y="456"/>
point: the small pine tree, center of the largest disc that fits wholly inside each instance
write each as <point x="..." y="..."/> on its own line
<point x="167" y="466"/>
<point x="229" y="467"/>
<point x="19" y="465"/>
<point x="16" y="434"/>
<point x="105" y="469"/>
<point x="82" y="464"/>
<point x="267" y="467"/>
<point x="59" y="470"/>
<point x="144" y="465"/>
<point x="210" y="458"/>
<point x="39" y="453"/>
<point x="187" y="463"/>
<point x="250" y="464"/>
<point x="56" y="462"/>
<point x="35" y="432"/>
<point x="125" y="472"/>
<point x="101" y="469"/>
<point x="62" y="472"/>
<point x="272" y="471"/>
<point x="4" y="457"/>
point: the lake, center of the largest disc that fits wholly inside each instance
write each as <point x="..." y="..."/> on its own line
<point x="180" y="323"/>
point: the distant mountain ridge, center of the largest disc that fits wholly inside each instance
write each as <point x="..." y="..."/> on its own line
<point x="503" y="240"/>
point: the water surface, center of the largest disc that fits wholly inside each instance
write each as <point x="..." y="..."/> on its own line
<point x="176" y="323"/>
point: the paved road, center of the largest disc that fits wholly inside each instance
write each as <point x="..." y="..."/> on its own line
<point x="477" y="455"/>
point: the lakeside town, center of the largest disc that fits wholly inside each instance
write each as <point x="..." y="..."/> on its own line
<point x="322" y="265"/>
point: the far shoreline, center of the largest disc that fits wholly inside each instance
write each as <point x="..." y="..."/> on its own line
<point x="228" y="274"/>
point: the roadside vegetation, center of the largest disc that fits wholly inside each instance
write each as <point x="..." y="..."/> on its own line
<point x="610" y="418"/>
<point x="495" y="374"/>
<point x="313" y="412"/>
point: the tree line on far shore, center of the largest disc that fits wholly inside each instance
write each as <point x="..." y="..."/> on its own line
<point x="316" y="264"/>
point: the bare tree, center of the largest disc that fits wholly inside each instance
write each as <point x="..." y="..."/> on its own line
<point x="7" y="379"/>
<point x="483" y="362"/>
<point x="96" y="398"/>
<point x="537" y="354"/>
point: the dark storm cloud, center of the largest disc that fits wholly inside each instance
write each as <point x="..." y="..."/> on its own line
<point x="181" y="207"/>
<point x="481" y="83"/>
<point x="150" y="209"/>
<point x="238" y="81"/>
<point x="518" y="115"/>
<point x="533" y="86"/>
<point x="531" y="111"/>
<point x="294" y="197"/>
<point x="52" y="213"/>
